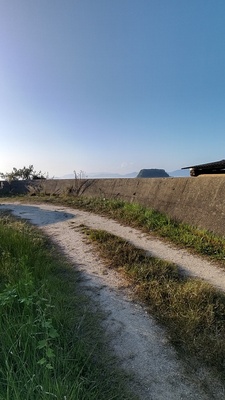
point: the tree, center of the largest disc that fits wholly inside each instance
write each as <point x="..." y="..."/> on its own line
<point x="25" y="173"/>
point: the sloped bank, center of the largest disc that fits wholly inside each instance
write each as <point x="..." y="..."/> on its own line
<point x="197" y="201"/>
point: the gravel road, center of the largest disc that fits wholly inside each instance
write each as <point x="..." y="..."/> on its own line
<point x="139" y="342"/>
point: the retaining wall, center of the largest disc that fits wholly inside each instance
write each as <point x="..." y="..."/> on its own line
<point x="198" y="201"/>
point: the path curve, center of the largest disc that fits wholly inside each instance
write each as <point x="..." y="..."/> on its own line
<point x="139" y="342"/>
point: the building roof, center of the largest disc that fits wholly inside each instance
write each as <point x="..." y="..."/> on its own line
<point x="213" y="165"/>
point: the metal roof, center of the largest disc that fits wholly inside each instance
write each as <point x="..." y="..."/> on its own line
<point x="213" y="165"/>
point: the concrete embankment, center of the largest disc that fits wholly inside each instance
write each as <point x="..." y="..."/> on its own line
<point x="198" y="201"/>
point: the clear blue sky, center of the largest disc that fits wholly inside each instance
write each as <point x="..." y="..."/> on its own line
<point x="111" y="85"/>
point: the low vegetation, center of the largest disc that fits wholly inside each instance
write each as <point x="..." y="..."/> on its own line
<point x="51" y="341"/>
<point x="198" y="240"/>
<point x="192" y="310"/>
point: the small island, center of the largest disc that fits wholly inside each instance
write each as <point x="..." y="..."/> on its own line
<point x="152" y="173"/>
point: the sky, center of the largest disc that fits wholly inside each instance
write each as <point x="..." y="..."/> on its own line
<point x="111" y="85"/>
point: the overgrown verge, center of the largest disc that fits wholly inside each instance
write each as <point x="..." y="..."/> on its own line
<point x="199" y="240"/>
<point x="51" y="342"/>
<point x="192" y="310"/>
<point x="136" y="215"/>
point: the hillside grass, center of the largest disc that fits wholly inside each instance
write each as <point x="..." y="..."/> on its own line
<point x="52" y="345"/>
<point x="192" y="311"/>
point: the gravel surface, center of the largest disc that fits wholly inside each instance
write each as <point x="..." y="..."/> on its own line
<point x="140" y="343"/>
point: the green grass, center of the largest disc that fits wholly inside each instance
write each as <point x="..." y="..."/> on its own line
<point x="192" y="311"/>
<point x="195" y="239"/>
<point x="52" y="345"/>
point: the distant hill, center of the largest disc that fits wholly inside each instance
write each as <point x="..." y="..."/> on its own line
<point x="104" y="175"/>
<point x="99" y="175"/>
<point x="182" y="173"/>
<point x="111" y="175"/>
<point x="152" y="173"/>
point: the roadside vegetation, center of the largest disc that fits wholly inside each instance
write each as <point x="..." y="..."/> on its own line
<point x="192" y="311"/>
<point x="51" y="341"/>
<point x="192" y="238"/>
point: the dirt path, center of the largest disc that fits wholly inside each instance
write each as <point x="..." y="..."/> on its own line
<point x="139" y="342"/>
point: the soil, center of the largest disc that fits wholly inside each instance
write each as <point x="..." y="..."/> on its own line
<point x="140" y="343"/>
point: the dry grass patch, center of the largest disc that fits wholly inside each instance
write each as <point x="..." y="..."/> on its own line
<point x="192" y="310"/>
